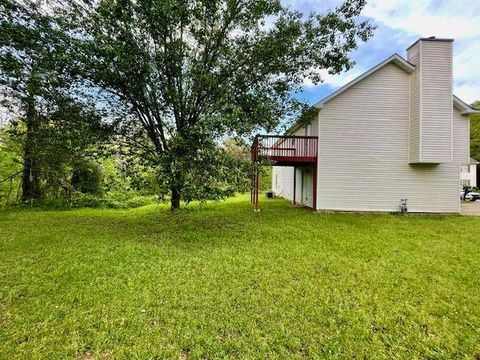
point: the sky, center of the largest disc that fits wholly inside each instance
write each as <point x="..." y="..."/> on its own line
<point x="401" y="22"/>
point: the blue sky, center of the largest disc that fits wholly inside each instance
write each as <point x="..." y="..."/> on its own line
<point x="401" y="22"/>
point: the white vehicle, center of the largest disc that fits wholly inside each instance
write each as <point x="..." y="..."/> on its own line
<point x="471" y="195"/>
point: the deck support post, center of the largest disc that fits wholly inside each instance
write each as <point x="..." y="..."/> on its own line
<point x="257" y="186"/>
<point x="294" y="183"/>
<point x="315" y="186"/>
<point x="252" y="188"/>
<point x="284" y="150"/>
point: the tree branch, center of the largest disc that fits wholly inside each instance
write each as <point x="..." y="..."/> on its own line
<point x="11" y="176"/>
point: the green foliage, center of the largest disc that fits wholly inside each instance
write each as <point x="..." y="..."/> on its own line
<point x="307" y="115"/>
<point x="87" y="177"/>
<point x="475" y="133"/>
<point x="266" y="178"/>
<point x="219" y="281"/>
<point x="61" y="150"/>
<point x="208" y="172"/>
<point x="10" y="171"/>
<point x="189" y="73"/>
<point x="54" y="128"/>
<point x="178" y="77"/>
<point x="128" y="172"/>
<point x="91" y="201"/>
<point x="93" y="181"/>
<point x="80" y="200"/>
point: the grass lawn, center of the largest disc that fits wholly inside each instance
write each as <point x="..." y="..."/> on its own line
<point x="220" y="281"/>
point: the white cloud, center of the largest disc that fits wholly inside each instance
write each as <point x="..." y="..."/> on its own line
<point x="467" y="92"/>
<point x="426" y="18"/>
<point x="441" y="19"/>
<point x="335" y="81"/>
<point x="459" y="19"/>
<point x="466" y="73"/>
<point x="4" y="116"/>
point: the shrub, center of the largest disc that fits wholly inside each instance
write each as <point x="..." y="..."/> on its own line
<point x="91" y="201"/>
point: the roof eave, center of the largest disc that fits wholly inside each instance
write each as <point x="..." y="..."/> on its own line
<point x="463" y="107"/>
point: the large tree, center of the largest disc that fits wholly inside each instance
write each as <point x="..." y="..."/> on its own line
<point x="52" y="126"/>
<point x="188" y="73"/>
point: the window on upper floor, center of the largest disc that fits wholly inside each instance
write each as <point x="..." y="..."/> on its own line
<point x="308" y="130"/>
<point x="465" y="168"/>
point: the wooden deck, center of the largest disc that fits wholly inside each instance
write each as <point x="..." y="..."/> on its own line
<point x="285" y="150"/>
<point x="282" y="150"/>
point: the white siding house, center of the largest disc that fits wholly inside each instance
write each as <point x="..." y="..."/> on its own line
<point x="468" y="173"/>
<point x="396" y="132"/>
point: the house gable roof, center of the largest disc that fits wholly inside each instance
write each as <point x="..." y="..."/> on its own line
<point x="395" y="59"/>
<point x="402" y="63"/>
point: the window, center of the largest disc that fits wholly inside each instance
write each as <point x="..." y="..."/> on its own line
<point x="465" y="182"/>
<point x="465" y="168"/>
<point x="308" y="130"/>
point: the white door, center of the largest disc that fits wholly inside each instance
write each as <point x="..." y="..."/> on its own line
<point x="307" y="187"/>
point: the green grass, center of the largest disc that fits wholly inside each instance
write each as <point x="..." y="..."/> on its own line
<point x="220" y="281"/>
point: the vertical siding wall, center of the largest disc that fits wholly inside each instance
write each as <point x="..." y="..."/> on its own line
<point x="305" y="190"/>
<point x="364" y="146"/>
<point x="282" y="181"/>
<point x="431" y="102"/>
<point x="468" y="175"/>
<point x="461" y="138"/>
<point x="414" y="132"/>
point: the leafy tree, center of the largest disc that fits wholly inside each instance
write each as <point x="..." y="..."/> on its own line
<point x="53" y="128"/>
<point x="128" y="171"/>
<point x="475" y="133"/>
<point x="10" y="169"/>
<point x="61" y="149"/>
<point x="87" y="177"/>
<point x="190" y="72"/>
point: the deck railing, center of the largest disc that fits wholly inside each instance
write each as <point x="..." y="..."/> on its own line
<point x="285" y="149"/>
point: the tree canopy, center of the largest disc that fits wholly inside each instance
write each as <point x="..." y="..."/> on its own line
<point x="53" y="127"/>
<point x="475" y="133"/>
<point x="182" y="75"/>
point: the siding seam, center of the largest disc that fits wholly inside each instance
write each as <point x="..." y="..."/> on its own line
<point x="420" y="107"/>
<point x="451" y="112"/>
<point x="317" y="200"/>
<point x="409" y="113"/>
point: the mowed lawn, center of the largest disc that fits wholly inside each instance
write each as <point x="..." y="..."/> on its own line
<point x="220" y="281"/>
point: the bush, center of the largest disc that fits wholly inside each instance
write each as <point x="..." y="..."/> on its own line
<point x="91" y="201"/>
<point x="88" y="178"/>
<point x="138" y="201"/>
<point x="81" y="200"/>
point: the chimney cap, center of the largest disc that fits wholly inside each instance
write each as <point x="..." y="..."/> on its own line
<point x="431" y="38"/>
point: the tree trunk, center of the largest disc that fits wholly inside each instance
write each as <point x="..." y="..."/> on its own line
<point x="176" y="190"/>
<point x="30" y="179"/>
<point x="30" y="174"/>
<point x="28" y="183"/>
<point x="175" y="200"/>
